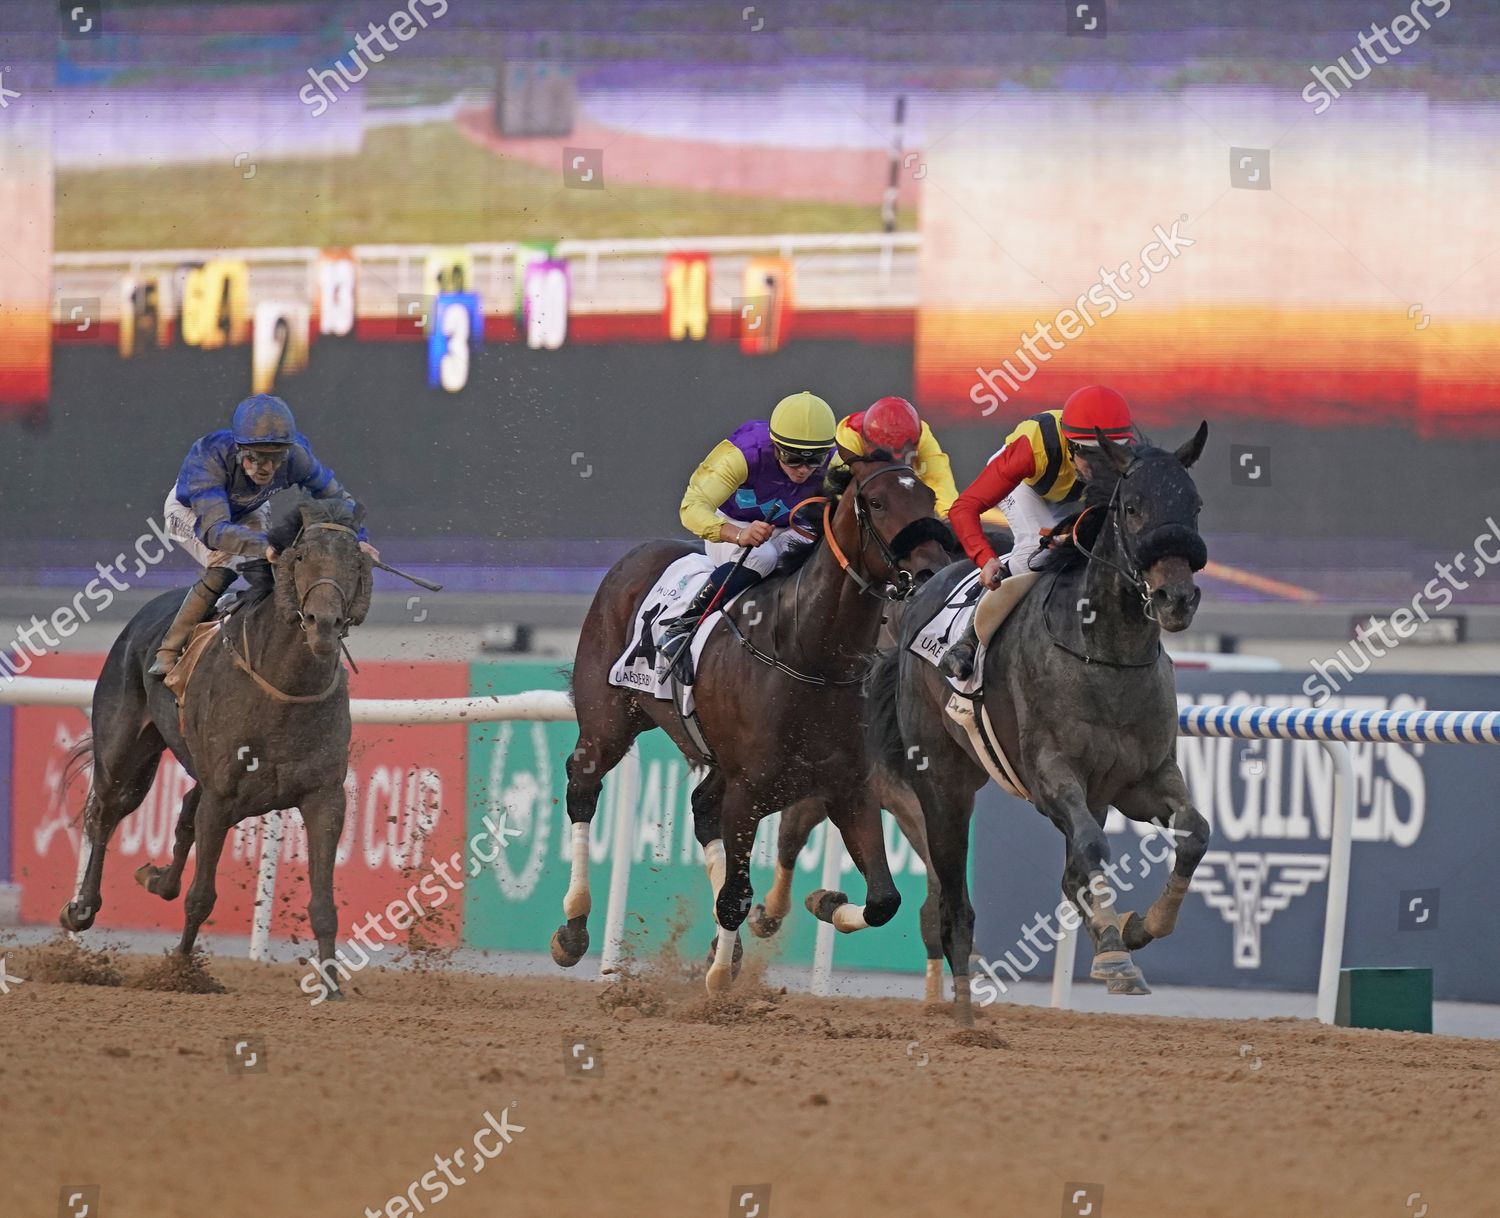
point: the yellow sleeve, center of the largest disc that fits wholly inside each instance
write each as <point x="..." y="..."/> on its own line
<point x="846" y="437"/>
<point x="934" y="469"/>
<point x="722" y="473"/>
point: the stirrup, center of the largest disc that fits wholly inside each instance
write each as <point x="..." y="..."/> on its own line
<point x="157" y="669"/>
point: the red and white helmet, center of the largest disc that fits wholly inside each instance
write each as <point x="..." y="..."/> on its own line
<point x="1097" y="406"/>
<point x="891" y="423"/>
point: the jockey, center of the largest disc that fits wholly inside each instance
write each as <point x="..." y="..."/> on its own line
<point x="742" y="495"/>
<point x="893" y="424"/>
<point x="217" y="511"/>
<point x="1038" y="480"/>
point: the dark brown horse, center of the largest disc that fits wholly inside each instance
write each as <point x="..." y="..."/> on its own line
<point x="778" y="697"/>
<point x="264" y="723"/>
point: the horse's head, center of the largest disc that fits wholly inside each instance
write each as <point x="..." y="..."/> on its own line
<point x="885" y="522"/>
<point x="323" y="579"/>
<point x="1157" y="519"/>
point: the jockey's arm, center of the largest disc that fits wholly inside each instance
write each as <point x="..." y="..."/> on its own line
<point x="201" y="485"/>
<point x="936" y="472"/>
<point x="720" y="474"/>
<point x="1006" y="470"/>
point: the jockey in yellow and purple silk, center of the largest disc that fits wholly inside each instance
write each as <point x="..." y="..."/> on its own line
<point x="741" y="498"/>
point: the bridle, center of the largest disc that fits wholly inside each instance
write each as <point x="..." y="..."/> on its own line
<point x="246" y="664"/>
<point x="902" y="583"/>
<point x="344" y="597"/>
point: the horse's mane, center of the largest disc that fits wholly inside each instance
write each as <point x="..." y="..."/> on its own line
<point x="1099" y="490"/>
<point x="287" y="520"/>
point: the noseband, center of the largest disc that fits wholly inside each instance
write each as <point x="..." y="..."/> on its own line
<point x="905" y="583"/>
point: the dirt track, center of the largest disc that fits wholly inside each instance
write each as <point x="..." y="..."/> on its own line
<point x="828" y="1102"/>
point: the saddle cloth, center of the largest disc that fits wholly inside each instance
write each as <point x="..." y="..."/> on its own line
<point x="643" y="668"/>
<point x="947" y="625"/>
<point x="181" y="672"/>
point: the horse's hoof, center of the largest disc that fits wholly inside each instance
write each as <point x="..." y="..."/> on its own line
<point x="734" y="964"/>
<point x="75" y="917"/>
<point x="1115" y="966"/>
<point x="1134" y="932"/>
<point x="719" y="979"/>
<point x="568" y="945"/>
<point x="821" y="903"/>
<point x="963" y="1014"/>
<point x="1129" y="985"/>
<point x="762" y="924"/>
<point x="149" y="878"/>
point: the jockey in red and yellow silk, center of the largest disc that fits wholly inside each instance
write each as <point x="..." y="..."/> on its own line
<point x="893" y="424"/>
<point x="1038" y="480"/>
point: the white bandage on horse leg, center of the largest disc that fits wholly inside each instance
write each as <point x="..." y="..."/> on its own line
<point x="934" y="991"/>
<point x="578" y="902"/>
<point x="713" y="859"/>
<point x="849" y="918"/>
<point x="779" y="899"/>
<point x="721" y="971"/>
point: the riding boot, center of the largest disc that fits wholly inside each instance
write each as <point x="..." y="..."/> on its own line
<point x="733" y="580"/>
<point x="958" y="660"/>
<point x="196" y="607"/>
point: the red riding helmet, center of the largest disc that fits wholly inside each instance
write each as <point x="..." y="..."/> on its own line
<point x="1097" y="406"/>
<point x="891" y="423"/>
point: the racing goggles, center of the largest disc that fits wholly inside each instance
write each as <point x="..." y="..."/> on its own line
<point x="808" y="458"/>
<point x="264" y="456"/>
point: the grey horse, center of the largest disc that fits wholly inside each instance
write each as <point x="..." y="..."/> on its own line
<point x="1083" y="703"/>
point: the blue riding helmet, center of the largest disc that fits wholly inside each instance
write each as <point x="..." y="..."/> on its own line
<point x="263" y="419"/>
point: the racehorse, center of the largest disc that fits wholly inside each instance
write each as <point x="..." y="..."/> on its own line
<point x="1082" y="700"/>
<point x="777" y="694"/>
<point x="264" y="721"/>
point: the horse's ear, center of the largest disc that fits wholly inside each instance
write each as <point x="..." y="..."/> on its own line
<point x="364" y="592"/>
<point x="1120" y="455"/>
<point x="286" y="589"/>
<point x="1193" y="449"/>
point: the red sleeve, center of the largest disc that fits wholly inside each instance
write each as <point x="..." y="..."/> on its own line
<point x="1007" y="469"/>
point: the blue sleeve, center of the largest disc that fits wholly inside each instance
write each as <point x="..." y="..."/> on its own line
<point x="203" y="485"/>
<point x="316" y="478"/>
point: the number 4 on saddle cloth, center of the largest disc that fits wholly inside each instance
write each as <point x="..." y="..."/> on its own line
<point x="643" y="667"/>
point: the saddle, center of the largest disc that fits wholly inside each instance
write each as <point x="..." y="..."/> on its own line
<point x="182" y="672"/>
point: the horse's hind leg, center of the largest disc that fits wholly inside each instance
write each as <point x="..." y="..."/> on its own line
<point x="946" y="820"/>
<point x="122" y="775"/>
<point x="797" y="824"/>
<point x="604" y="737"/>
<point x="1163" y="797"/>
<point x="166" y="882"/>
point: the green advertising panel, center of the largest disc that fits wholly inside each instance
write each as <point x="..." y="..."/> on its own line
<point x="516" y="904"/>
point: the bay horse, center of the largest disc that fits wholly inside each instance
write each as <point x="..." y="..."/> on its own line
<point x="778" y="697"/>
<point x="264" y="722"/>
<point x="1083" y="702"/>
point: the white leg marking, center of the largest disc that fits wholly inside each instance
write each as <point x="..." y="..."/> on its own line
<point x="578" y="902"/>
<point x="934" y="992"/>
<point x="721" y="971"/>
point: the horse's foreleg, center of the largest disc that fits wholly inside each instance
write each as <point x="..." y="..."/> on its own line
<point x="899" y="799"/>
<point x="738" y="817"/>
<point x="1089" y="878"/>
<point x="1164" y="797"/>
<point x="596" y="755"/>
<point x="946" y="822"/>
<point x="166" y="882"/>
<point x="323" y="816"/>
<point x="212" y="827"/>
<point x="857" y="818"/>
<point x="796" y="826"/>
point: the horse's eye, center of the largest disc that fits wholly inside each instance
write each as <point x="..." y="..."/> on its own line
<point x="877" y="505"/>
<point x="1130" y="509"/>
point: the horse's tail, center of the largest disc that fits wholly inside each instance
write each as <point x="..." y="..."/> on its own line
<point x="78" y="759"/>
<point x="882" y="727"/>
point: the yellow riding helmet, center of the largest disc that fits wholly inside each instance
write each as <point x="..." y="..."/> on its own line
<point x="803" y="420"/>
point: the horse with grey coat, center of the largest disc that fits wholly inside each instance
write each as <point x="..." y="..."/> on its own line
<point x="1083" y="702"/>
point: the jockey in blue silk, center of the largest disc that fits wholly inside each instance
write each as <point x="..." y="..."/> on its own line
<point x="741" y="497"/>
<point x="217" y="510"/>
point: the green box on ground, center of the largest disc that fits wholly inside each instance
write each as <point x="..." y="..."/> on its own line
<point x="1399" y="999"/>
<point x="516" y="904"/>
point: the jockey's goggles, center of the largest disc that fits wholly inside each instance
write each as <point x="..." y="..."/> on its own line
<point x="808" y="458"/>
<point x="264" y="456"/>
